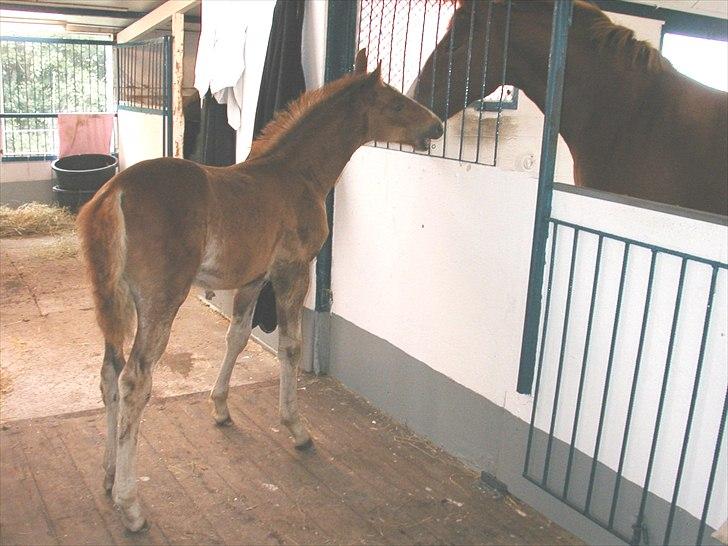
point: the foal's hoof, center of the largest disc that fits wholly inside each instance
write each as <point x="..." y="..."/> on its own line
<point x="108" y="483"/>
<point x="133" y="519"/>
<point x="224" y="422"/>
<point x="135" y="526"/>
<point x="306" y="446"/>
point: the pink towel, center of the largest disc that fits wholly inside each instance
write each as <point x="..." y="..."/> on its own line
<point x="84" y="134"/>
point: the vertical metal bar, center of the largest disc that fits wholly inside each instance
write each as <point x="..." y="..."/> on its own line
<point x="44" y="101"/>
<point x="544" y="329"/>
<point x="65" y="74"/>
<point x="391" y="48"/>
<point x="379" y="44"/>
<point x="358" y="25"/>
<point x="506" y="39"/>
<point x="449" y="87"/>
<point x="691" y="411"/>
<point x="585" y="359"/>
<point x="143" y="51"/>
<point x="371" y="23"/>
<point x="713" y="469"/>
<point x="434" y="64"/>
<point x="467" y="79"/>
<point x="554" y="92"/>
<point x="88" y="73"/>
<point x="562" y="354"/>
<point x="404" y="54"/>
<point x="485" y="72"/>
<point x="661" y="404"/>
<point x="633" y="391"/>
<point x="391" y="42"/>
<point x="340" y="39"/>
<point x="168" y="94"/>
<point x="607" y="378"/>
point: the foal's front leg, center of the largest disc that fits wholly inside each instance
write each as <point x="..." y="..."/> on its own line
<point x="236" y="340"/>
<point x="291" y="284"/>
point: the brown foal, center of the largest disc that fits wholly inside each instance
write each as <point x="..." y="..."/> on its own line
<point x="162" y="225"/>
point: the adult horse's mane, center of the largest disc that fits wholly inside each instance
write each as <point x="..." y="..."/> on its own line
<point x="284" y="125"/>
<point x="620" y="42"/>
<point x="606" y="36"/>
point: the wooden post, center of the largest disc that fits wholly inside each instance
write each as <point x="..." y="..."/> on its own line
<point x="178" y="51"/>
<point x="153" y="19"/>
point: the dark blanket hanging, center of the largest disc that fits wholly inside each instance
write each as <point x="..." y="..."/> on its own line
<point x="282" y="82"/>
<point x="215" y="143"/>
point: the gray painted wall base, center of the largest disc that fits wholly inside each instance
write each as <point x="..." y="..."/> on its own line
<point x="490" y="439"/>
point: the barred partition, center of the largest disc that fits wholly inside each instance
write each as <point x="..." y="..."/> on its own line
<point x="647" y="366"/>
<point x="144" y="81"/>
<point x="401" y="34"/>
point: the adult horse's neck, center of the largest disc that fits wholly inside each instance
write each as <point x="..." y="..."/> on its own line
<point x="602" y="96"/>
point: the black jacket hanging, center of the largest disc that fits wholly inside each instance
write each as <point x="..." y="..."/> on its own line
<point x="281" y="83"/>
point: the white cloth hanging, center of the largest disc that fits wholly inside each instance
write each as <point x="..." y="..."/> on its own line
<point x="220" y="64"/>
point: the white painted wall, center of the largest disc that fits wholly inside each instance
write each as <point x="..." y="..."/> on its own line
<point x="140" y="137"/>
<point x="433" y="257"/>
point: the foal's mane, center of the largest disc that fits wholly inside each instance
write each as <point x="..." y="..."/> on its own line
<point x="620" y="42"/>
<point x="286" y="122"/>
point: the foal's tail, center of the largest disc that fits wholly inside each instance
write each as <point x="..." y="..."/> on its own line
<point x="103" y="240"/>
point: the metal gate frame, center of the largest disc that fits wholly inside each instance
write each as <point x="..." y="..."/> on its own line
<point x="536" y="324"/>
<point x="160" y="76"/>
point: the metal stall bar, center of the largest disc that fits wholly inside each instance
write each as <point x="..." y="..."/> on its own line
<point x="554" y="92"/>
<point x="340" y="40"/>
<point x="168" y="94"/>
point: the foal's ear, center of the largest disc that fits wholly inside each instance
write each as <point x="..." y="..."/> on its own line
<point x="377" y="74"/>
<point x="360" y="64"/>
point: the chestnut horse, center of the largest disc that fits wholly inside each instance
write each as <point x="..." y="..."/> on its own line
<point x="162" y="225"/>
<point x="633" y="124"/>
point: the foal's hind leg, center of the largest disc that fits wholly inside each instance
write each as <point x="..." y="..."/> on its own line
<point x="236" y="339"/>
<point x="135" y="387"/>
<point x="290" y="282"/>
<point x="110" y="370"/>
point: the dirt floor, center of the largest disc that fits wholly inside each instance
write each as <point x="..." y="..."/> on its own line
<point x="51" y="348"/>
<point x="368" y="480"/>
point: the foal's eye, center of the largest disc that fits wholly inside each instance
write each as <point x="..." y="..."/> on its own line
<point x="399" y="107"/>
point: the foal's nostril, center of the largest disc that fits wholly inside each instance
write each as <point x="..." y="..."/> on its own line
<point x="435" y="131"/>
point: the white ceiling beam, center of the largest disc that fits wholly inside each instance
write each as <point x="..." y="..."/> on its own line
<point x="154" y="18"/>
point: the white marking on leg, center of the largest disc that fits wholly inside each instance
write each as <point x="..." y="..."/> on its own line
<point x="236" y="340"/>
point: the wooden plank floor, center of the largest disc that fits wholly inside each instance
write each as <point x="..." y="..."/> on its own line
<point x="369" y="481"/>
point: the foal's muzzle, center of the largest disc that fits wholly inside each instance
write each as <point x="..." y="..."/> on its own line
<point x="433" y="133"/>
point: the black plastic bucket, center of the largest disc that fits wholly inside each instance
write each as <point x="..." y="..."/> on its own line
<point x="85" y="172"/>
<point x="72" y="199"/>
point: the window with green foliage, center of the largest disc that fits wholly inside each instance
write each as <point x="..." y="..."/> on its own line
<point x="42" y="77"/>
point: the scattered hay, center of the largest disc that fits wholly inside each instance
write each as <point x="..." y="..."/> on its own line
<point x="64" y="245"/>
<point x="35" y="219"/>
